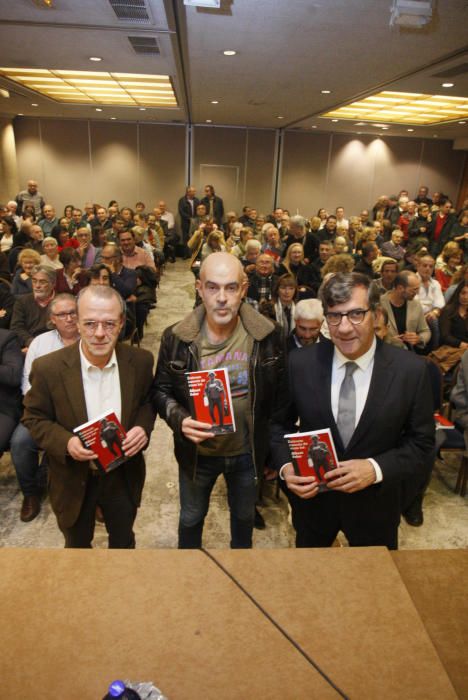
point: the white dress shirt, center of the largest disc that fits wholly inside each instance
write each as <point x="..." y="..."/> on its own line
<point x="431" y="297"/>
<point x="101" y="387"/>
<point x="41" y="345"/>
<point x="362" y="379"/>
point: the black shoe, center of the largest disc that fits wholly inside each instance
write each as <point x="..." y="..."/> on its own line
<point x="414" y="515"/>
<point x="259" y="523"/>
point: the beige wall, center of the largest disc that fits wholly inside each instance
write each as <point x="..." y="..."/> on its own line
<point x="76" y="161"/>
<point x="9" y="184"/>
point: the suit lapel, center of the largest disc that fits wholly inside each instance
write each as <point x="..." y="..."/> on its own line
<point x="73" y="383"/>
<point x="324" y="369"/>
<point x="382" y="377"/>
<point x="127" y="383"/>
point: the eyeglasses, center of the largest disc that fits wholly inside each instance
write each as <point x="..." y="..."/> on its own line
<point x="355" y="316"/>
<point x="65" y="314"/>
<point x="40" y="283"/>
<point x="109" y="327"/>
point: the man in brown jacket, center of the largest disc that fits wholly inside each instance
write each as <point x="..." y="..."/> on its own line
<point x="77" y="384"/>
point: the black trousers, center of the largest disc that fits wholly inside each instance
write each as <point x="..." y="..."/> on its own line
<point x="110" y="492"/>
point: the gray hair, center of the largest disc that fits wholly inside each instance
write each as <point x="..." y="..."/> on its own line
<point x="252" y="243"/>
<point x="297" y="221"/>
<point x="56" y="300"/>
<point x="338" y="289"/>
<point x="51" y="275"/>
<point x="102" y="292"/>
<point x="309" y="310"/>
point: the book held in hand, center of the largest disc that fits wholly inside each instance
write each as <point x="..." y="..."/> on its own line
<point x="313" y="454"/>
<point x="210" y="399"/>
<point x="103" y="435"/>
<point x="441" y="422"/>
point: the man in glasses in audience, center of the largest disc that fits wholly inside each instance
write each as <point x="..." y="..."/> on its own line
<point x="31" y="473"/>
<point x="80" y="383"/>
<point x="377" y="402"/>
<point x="31" y="311"/>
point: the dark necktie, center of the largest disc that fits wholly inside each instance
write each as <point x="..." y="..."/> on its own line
<point x="346" y="419"/>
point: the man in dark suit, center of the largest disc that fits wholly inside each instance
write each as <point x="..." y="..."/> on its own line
<point x="80" y="383"/>
<point x="187" y="208"/>
<point x="214" y="205"/>
<point x="376" y="399"/>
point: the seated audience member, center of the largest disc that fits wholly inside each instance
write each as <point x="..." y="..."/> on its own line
<point x="49" y="220"/>
<point x="355" y="229"/>
<point x="8" y="231"/>
<point x="370" y="252"/>
<point x="308" y="319"/>
<point x="298" y="234"/>
<point x="71" y="279"/>
<point x="405" y="314"/>
<point x="30" y="312"/>
<point x="393" y="248"/>
<point x="423" y="196"/>
<point x="166" y="215"/>
<point x="245" y="234"/>
<point x="453" y="320"/>
<point x="253" y="249"/>
<point x="430" y="296"/>
<point x="460" y="232"/>
<point x="447" y="264"/>
<point x="262" y="280"/>
<point x="461" y="274"/>
<point x="68" y="211"/>
<point x="342" y="245"/>
<point x="200" y="217"/>
<point x="365" y="218"/>
<point x="88" y="253"/>
<point x="132" y="255"/>
<point x="388" y="272"/>
<point x="117" y="225"/>
<point x="283" y="299"/>
<point x="418" y="247"/>
<point x="11" y="370"/>
<point x="328" y="232"/>
<point x="127" y="215"/>
<point x="341" y="222"/>
<point x="322" y="214"/>
<point x="337" y="263"/>
<point x="399" y="214"/>
<point x="27" y="260"/>
<point x="213" y="244"/>
<point x="31" y="472"/>
<point x="63" y="239"/>
<point x="246" y="217"/>
<point x="273" y="246"/>
<point x="420" y="224"/>
<point x="99" y="274"/>
<point x="50" y="257"/>
<point x="7" y="302"/>
<point x="196" y="241"/>
<point x="12" y="210"/>
<point x="77" y="222"/>
<point x="459" y="397"/>
<point x="306" y="275"/>
<point x="258" y="227"/>
<point x="382" y="329"/>
<point x="441" y="226"/>
<point x="101" y="220"/>
<point x="122" y="278"/>
<point x="283" y="228"/>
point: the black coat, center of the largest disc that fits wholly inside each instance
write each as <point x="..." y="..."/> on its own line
<point x="11" y="373"/>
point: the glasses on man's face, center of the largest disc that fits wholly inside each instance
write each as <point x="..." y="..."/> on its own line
<point x="107" y="257"/>
<point x="109" y="327"/>
<point x="39" y="283"/>
<point x="355" y="316"/>
<point x="65" y="314"/>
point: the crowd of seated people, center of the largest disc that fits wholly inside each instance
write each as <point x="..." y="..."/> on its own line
<point x="415" y="251"/>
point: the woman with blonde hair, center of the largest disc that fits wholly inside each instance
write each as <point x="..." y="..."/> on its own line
<point x="22" y="283"/>
<point x="214" y="244"/>
<point x="341" y="262"/>
<point x="304" y="274"/>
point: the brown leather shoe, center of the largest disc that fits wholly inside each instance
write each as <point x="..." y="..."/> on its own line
<point x="30" y="509"/>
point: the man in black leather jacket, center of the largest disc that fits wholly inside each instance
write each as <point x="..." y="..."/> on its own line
<point x="222" y="332"/>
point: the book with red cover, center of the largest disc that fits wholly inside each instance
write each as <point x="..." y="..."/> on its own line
<point x="103" y="435"/>
<point x="211" y="400"/>
<point x="443" y="422"/>
<point x="312" y="454"/>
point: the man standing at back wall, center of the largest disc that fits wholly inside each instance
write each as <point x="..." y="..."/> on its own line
<point x="221" y="332"/>
<point x="77" y="384"/>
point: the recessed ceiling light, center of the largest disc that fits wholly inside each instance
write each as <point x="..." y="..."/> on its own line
<point x="113" y="118"/>
<point x="34" y="104"/>
<point x="462" y="122"/>
<point x="359" y="133"/>
<point x="385" y="127"/>
<point x="142" y="109"/>
<point x="229" y="52"/>
<point x="98" y="109"/>
<point x="448" y="85"/>
<point x="214" y="102"/>
<point x="208" y="121"/>
<point x="95" y="58"/>
<point x="435" y="136"/>
<point x="334" y="120"/>
<point x="313" y="126"/>
<point x="409" y="129"/>
<point x="325" y="92"/>
<point x="280" y="117"/>
<point x="20" y="114"/>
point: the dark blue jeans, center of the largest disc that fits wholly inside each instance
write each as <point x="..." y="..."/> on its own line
<point x="239" y="473"/>
<point x="25" y="455"/>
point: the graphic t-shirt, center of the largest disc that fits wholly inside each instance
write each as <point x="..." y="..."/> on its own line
<point x="233" y="354"/>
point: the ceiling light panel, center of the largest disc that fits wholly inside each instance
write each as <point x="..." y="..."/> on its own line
<point x="404" y="108"/>
<point x="90" y="87"/>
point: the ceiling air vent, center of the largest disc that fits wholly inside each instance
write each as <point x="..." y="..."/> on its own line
<point x="131" y="10"/>
<point x="144" y="44"/>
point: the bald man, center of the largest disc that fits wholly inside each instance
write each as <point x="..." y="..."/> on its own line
<point x="222" y="332"/>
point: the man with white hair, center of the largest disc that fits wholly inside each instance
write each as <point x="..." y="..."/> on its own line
<point x="12" y="208"/>
<point x="308" y="317"/>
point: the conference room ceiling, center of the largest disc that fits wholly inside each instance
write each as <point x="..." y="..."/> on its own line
<point x="288" y="52"/>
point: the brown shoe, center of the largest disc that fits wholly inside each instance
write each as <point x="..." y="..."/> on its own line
<point x="30" y="509"/>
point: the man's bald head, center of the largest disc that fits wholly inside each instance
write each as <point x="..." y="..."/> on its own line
<point x="224" y="261"/>
<point x="221" y="286"/>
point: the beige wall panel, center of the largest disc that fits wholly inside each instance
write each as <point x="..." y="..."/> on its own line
<point x="28" y="152"/>
<point x="9" y="183"/>
<point x="65" y="157"/>
<point x="219" y="160"/>
<point x="162" y="165"/>
<point x="114" y="172"/>
<point x="303" y="173"/>
<point x="260" y="170"/>
<point x="442" y="167"/>
<point x="397" y="167"/>
<point x="350" y="174"/>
